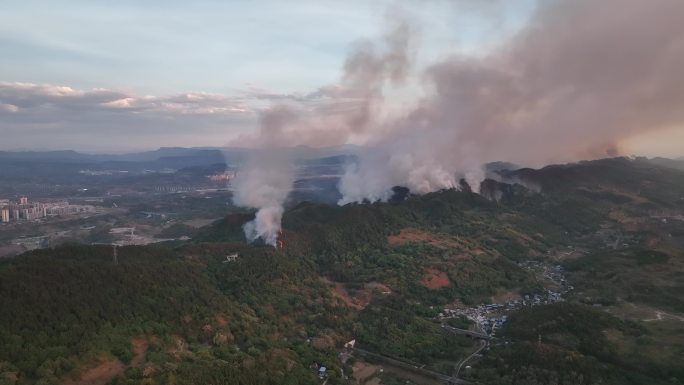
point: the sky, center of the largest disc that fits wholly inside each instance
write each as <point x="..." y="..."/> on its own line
<point x="129" y="75"/>
<point x="102" y="76"/>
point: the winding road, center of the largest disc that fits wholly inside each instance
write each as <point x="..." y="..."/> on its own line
<point x="483" y="344"/>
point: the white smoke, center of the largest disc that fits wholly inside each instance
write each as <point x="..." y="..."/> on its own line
<point x="264" y="182"/>
<point x="329" y="116"/>
<point x="580" y="77"/>
<point x="266" y="225"/>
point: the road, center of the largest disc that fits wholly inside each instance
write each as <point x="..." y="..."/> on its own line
<point x="483" y="344"/>
<point x="470" y="333"/>
<point x="412" y="366"/>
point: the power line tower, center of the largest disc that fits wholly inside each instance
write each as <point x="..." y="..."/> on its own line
<point x="115" y="256"/>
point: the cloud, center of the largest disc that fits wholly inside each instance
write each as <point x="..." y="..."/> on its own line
<point x="9" y="108"/>
<point x="34" y="96"/>
<point x="66" y="117"/>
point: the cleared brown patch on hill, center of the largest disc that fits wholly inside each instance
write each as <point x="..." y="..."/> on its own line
<point x="363" y="371"/>
<point x="434" y="279"/>
<point x="99" y="375"/>
<point x="221" y="320"/>
<point x="361" y="298"/>
<point x="323" y="341"/>
<point x="12" y="377"/>
<point x="140" y="346"/>
<point x="108" y="369"/>
<point x="338" y="290"/>
<point x="410" y="234"/>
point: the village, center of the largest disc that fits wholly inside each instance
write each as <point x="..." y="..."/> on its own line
<point x="488" y="318"/>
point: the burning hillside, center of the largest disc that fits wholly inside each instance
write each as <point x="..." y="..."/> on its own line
<point x="578" y="79"/>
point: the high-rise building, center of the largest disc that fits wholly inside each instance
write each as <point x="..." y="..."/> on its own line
<point x="5" y="214"/>
<point x="23" y="200"/>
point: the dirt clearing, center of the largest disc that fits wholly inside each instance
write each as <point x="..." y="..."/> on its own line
<point x="409" y="234"/>
<point x="361" y="297"/>
<point x="108" y="369"/>
<point x="363" y="371"/>
<point x="434" y="279"/>
<point x="100" y="374"/>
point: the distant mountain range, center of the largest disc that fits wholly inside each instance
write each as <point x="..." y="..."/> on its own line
<point x="71" y="155"/>
<point x="43" y="172"/>
<point x="193" y="155"/>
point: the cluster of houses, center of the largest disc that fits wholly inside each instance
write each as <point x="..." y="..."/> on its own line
<point x="551" y="274"/>
<point x="555" y="274"/>
<point x="541" y="299"/>
<point x="490" y="325"/>
<point x="490" y="317"/>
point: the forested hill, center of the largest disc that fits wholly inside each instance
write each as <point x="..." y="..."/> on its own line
<point x="180" y="313"/>
<point x="177" y="315"/>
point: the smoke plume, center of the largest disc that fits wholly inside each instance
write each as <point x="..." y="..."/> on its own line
<point x="329" y="116"/>
<point x="263" y="183"/>
<point x="579" y="78"/>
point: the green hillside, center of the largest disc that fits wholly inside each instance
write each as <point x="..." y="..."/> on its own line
<point x="378" y="273"/>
